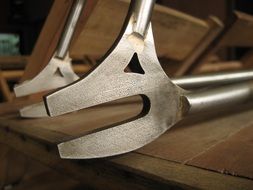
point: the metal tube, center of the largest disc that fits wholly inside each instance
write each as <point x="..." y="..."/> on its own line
<point x="204" y="80"/>
<point x="69" y="28"/>
<point x="217" y="98"/>
<point x="142" y="10"/>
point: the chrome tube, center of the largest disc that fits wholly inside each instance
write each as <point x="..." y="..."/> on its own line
<point x="69" y="28"/>
<point x="204" y="80"/>
<point x="218" y="98"/>
<point x="142" y="10"/>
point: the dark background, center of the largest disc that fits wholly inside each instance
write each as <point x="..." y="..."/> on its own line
<point x="26" y="17"/>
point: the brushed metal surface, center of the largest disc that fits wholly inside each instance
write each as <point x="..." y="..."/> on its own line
<point x="108" y="82"/>
<point x="56" y="74"/>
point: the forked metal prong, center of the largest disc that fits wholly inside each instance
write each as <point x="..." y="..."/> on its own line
<point x="109" y="82"/>
<point x="58" y="72"/>
<point x="109" y="79"/>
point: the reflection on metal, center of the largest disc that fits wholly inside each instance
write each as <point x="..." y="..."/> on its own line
<point x="165" y="103"/>
<point x="58" y="72"/>
<point x="69" y="29"/>
<point x="213" y="79"/>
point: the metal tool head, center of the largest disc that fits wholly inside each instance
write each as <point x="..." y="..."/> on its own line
<point x="56" y="74"/>
<point x="58" y="71"/>
<point x="164" y="102"/>
<point x="109" y="82"/>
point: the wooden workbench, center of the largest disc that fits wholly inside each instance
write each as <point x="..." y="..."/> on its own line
<point x="169" y="162"/>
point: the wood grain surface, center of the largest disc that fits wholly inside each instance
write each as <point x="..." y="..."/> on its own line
<point x="170" y="27"/>
<point x="168" y="161"/>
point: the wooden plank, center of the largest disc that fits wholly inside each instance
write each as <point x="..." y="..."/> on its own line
<point x="13" y="62"/>
<point x="189" y="139"/>
<point x="48" y="180"/>
<point x="3" y="165"/>
<point x="4" y="88"/>
<point x="12" y="75"/>
<point x="215" y="29"/>
<point x="15" y="75"/>
<point x="240" y="33"/>
<point x="37" y="139"/>
<point x="209" y="7"/>
<point x="16" y="104"/>
<point x="208" y="67"/>
<point x="48" y="129"/>
<point x="131" y="171"/>
<point x="221" y="66"/>
<point x="85" y="15"/>
<point x="181" y="175"/>
<point x="170" y="29"/>
<point x="238" y="150"/>
<point x="12" y="166"/>
<point x="240" y="23"/>
<point x="94" y="174"/>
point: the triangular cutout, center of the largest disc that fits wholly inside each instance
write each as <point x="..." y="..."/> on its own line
<point x="58" y="72"/>
<point x="134" y="66"/>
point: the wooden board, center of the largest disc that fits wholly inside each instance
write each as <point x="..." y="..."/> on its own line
<point x="131" y="171"/>
<point x="221" y="67"/>
<point x="210" y="144"/>
<point x="13" y="62"/>
<point x="142" y="169"/>
<point x="240" y="33"/>
<point x="215" y="28"/>
<point x="4" y="88"/>
<point x="48" y="129"/>
<point x="47" y="180"/>
<point x="13" y="166"/>
<point x="176" y="33"/>
<point x="238" y="160"/>
<point x="237" y="33"/>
